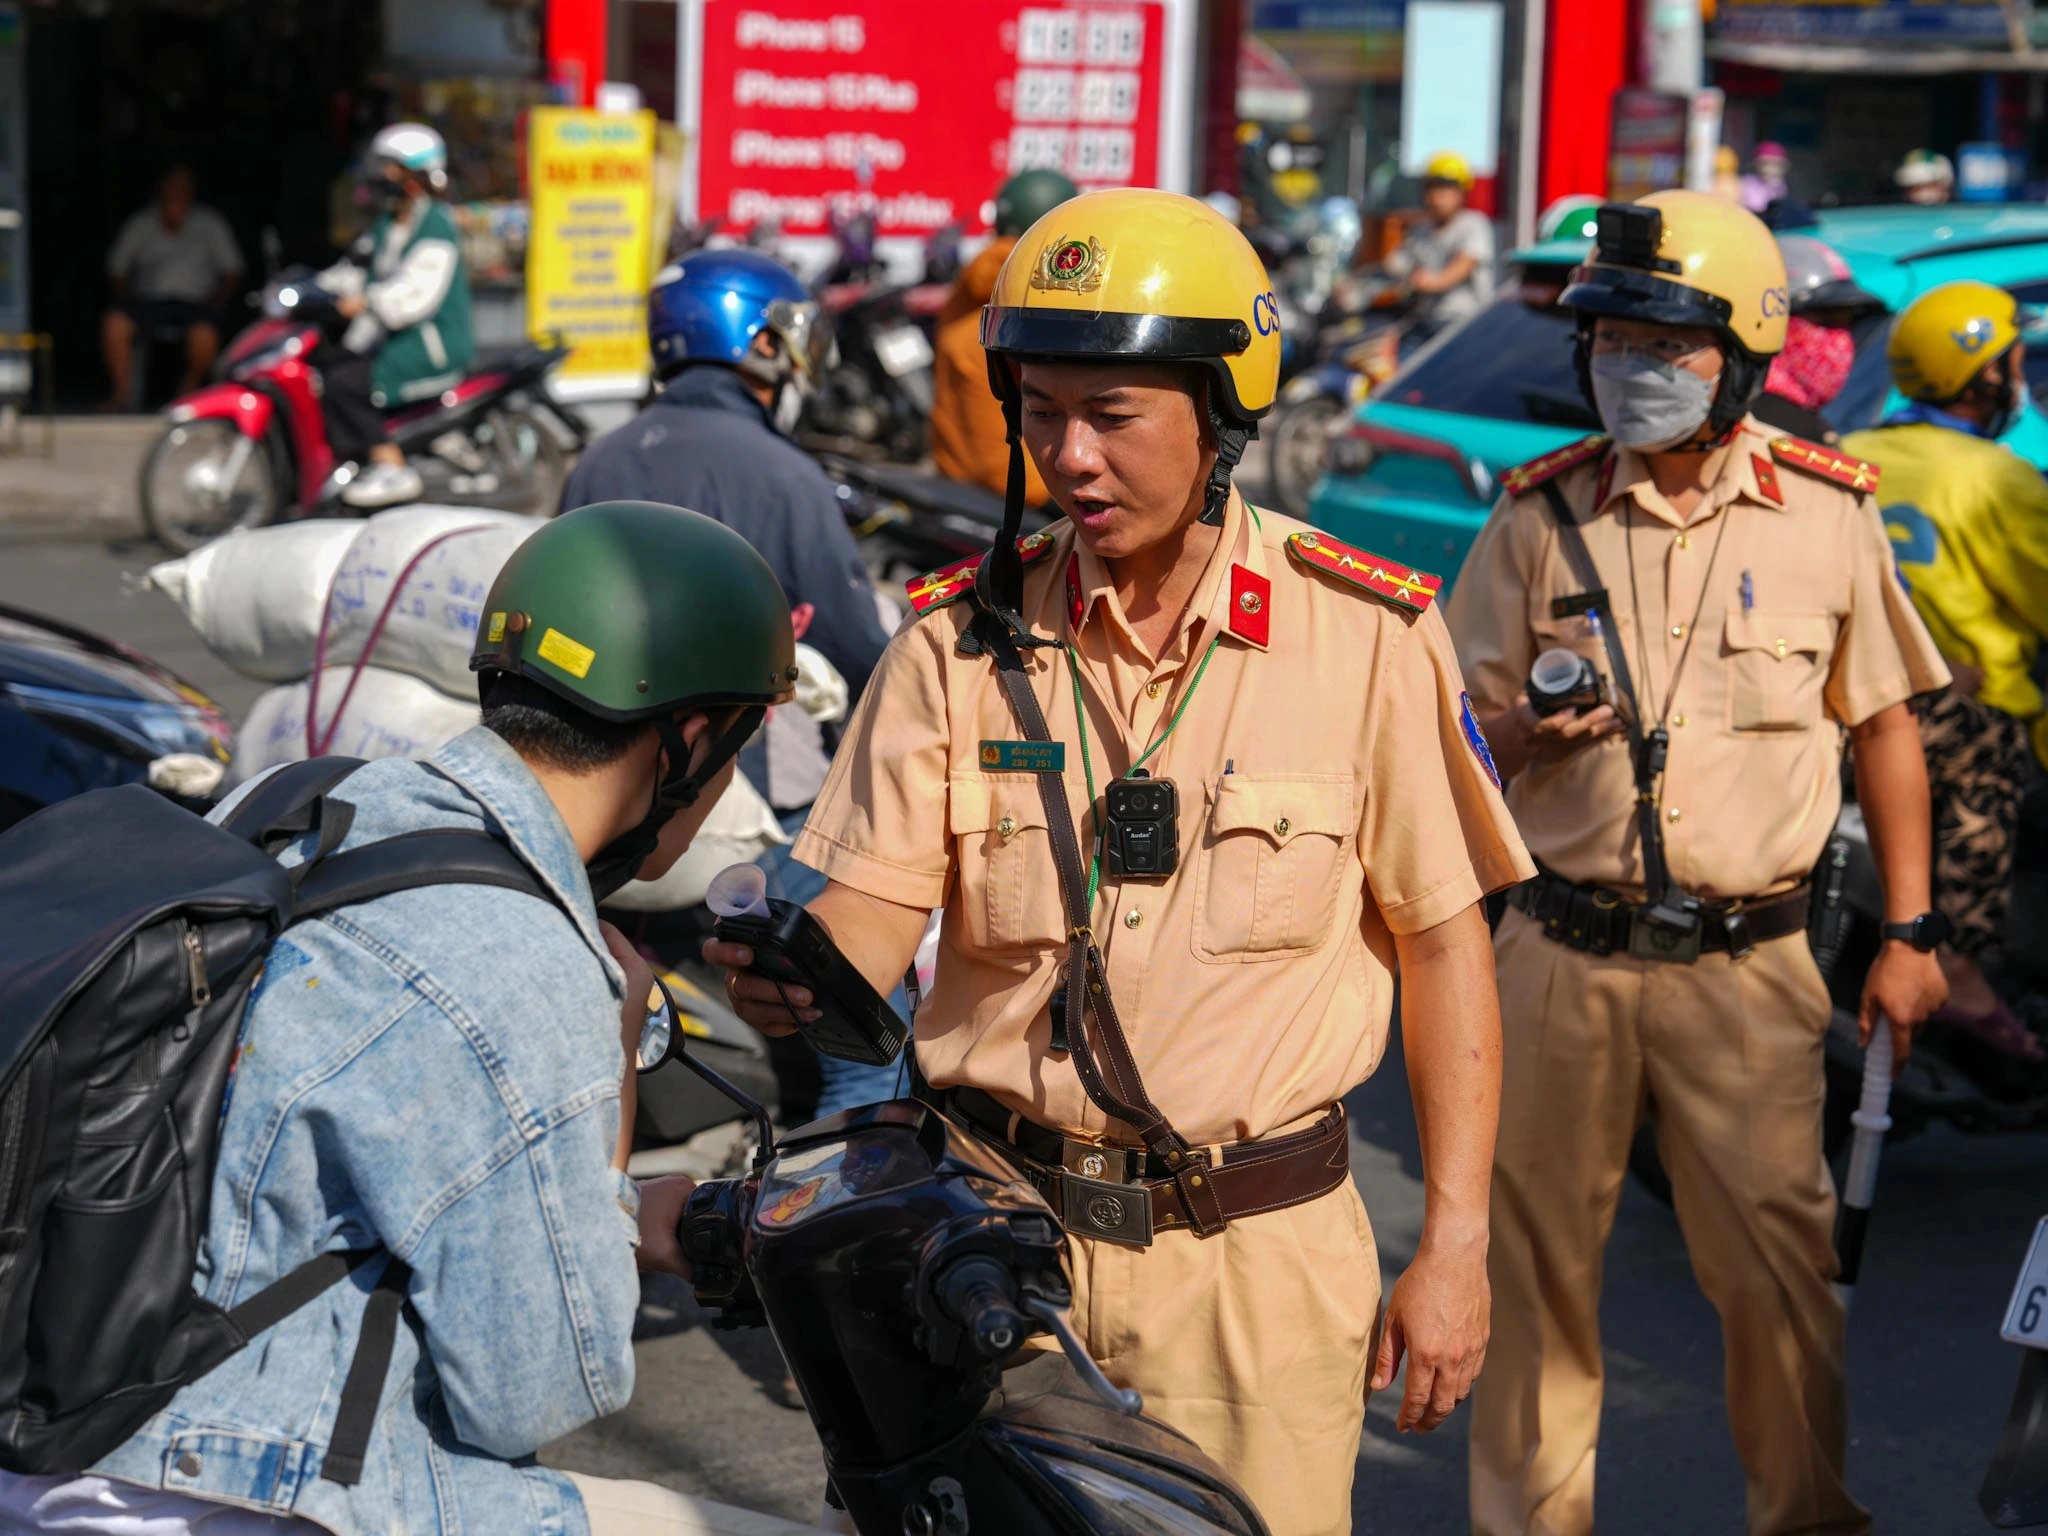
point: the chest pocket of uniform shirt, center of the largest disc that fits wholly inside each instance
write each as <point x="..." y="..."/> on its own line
<point x="1777" y="667"/>
<point x="1270" y="864"/>
<point x="1009" y="885"/>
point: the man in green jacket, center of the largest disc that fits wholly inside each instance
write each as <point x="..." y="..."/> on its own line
<point x="406" y="292"/>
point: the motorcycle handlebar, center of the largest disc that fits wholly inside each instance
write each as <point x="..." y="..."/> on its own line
<point x="975" y="1293"/>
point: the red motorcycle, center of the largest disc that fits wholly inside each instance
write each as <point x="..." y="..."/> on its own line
<point x="251" y="448"/>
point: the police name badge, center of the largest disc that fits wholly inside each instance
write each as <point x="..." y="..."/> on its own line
<point x="1023" y="756"/>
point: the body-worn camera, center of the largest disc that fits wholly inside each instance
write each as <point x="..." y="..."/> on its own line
<point x="1562" y="680"/>
<point x="1142" y="827"/>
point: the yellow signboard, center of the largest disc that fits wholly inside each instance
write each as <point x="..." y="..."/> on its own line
<point x="591" y="178"/>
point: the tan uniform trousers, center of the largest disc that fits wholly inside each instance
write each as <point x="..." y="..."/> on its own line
<point x="1730" y="1051"/>
<point x="1255" y="1343"/>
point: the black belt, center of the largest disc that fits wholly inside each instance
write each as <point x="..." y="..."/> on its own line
<point x="1125" y="1194"/>
<point x="1593" y="918"/>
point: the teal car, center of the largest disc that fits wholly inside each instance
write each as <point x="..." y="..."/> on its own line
<point x="1416" y="471"/>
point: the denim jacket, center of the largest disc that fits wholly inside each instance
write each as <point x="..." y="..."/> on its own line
<point x="436" y="1073"/>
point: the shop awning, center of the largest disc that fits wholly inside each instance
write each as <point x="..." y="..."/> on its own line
<point x="1268" y="89"/>
<point x="1850" y="59"/>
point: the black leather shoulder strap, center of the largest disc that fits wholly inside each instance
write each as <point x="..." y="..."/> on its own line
<point x="1647" y="764"/>
<point x="1087" y="978"/>
<point x="411" y="860"/>
<point x="282" y="802"/>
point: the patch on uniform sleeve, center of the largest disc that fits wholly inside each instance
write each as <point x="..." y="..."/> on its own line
<point x="1476" y="738"/>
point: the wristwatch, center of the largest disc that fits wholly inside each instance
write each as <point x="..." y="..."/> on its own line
<point x="1924" y="932"/>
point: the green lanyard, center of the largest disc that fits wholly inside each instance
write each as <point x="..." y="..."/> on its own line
<point x="1081" y="719"/>
<point x="1088" y="770"/>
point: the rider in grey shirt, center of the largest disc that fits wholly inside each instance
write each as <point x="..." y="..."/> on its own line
<point x="1447" y="258"/>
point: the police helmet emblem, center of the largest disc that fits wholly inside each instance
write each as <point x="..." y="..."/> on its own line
<point x="1074" y="265"/>
<point x="1973" y="336"/>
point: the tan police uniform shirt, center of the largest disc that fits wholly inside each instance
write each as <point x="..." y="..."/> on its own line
<point x="1329" y="799"/>
<point x="1825" y="638"/>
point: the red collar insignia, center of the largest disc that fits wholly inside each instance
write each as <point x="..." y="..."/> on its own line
<point x="1251" y="606"/>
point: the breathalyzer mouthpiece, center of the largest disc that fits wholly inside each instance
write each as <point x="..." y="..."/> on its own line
<point x="739" y="890"/>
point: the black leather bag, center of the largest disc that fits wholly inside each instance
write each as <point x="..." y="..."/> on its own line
<point x="131" y="935"/>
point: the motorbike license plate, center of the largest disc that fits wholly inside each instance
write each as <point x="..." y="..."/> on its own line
<point x="902" y="350"/>
<point x="2026" y="1315"/>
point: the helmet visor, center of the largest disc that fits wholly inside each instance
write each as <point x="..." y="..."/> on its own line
<point x="1627" y="293"/>
<point x="1103" y="336"/>
<point x="804" y="332"/>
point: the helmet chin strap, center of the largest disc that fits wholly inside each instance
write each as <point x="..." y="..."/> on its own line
<point x="620" y="859"/>
<point x="1230" y="442"/>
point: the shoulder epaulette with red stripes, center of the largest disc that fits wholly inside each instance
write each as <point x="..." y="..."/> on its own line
<point x="937" y="588"/>
<point x="1817" y="459"/>
<point x="1524" y="478"/>
<point x="1407" y="589"/>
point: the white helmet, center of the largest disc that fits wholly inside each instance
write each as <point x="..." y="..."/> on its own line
<point x="1924" y="168"/>
<point x="416" y="148"/>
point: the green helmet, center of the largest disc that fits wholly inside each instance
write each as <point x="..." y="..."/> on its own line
<point x="1028" y="197"/>
<point x="632" y="609"/>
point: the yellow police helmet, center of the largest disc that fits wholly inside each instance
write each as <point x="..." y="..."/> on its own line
<point x="1449" y="165"/>
<point x="1687" y="258"/>
<point x="1945" y="338"/>
<point x="1141" y="276"/>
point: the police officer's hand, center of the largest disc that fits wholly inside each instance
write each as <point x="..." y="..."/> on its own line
<point x="1553" y="738"/>
<point x="1520" y="736"/>
<point x="1438" y="1315"/>
<point x="761" y="1002"/>
<point x="1904" y="985"/>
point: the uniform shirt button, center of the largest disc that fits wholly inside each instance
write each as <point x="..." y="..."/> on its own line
<point x="189" y="1464"/>
<point x="1684" y="542"/>
<point x="1672" y="814"/>
<point x="1134" y="918"/>
<point x="1678" y="631"/>
<point x="1152" y="689"/>
<point x="1678" y="721"/>
<point x="1280" y="827"/>
<point x="1006" y="828"/>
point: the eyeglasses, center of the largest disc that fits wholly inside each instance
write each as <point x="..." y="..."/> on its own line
<point x="1673" y="351"/>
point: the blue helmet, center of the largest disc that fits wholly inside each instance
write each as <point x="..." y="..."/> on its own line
<point x="712" y="305"/>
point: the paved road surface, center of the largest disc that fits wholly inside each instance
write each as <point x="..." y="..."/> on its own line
<point x="1929" y="1378"/>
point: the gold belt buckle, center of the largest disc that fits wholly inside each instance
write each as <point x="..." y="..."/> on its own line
<point x="1095" y="1204"/>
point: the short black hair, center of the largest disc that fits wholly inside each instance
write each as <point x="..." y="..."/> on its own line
<point x="540" y="724"/>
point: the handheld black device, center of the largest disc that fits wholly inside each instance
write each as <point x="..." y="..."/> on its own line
<point x="792" y="947"/>
<point x="1562" y="680"/>
<point x="1142" y="823"/>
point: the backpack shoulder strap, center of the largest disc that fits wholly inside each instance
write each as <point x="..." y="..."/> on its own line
<point x="285" y="795"/>
<point x="410" y="860"/>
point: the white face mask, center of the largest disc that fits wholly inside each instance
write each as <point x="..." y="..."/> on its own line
<point x="1648" y="405"/>
<point x="789" y="407"/>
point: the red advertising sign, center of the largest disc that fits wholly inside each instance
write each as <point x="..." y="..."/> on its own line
<point x="794" y="107"/>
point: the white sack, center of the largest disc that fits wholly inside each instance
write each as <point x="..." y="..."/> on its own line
<point x="431" y="626"/>
<point x="256" y="598"/>
<point x="389" y="715"/>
